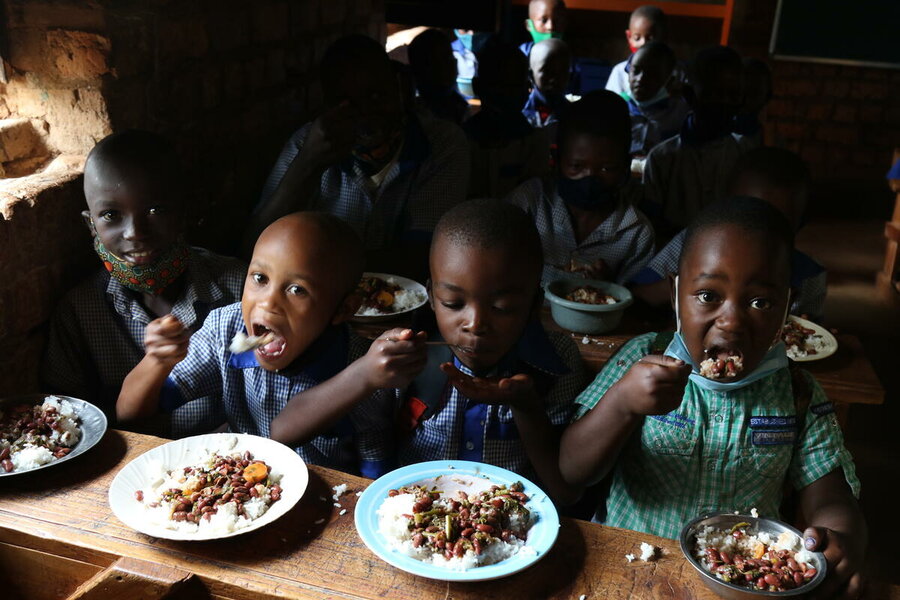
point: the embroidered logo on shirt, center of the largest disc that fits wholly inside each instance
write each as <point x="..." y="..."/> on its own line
<point x="674" y="419"/>
<point x="782" y="437"/>
<point x="822" y="409"/>
<point x="774" y="422"/>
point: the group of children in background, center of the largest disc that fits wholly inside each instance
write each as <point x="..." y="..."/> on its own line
<point x="379" y="181"/>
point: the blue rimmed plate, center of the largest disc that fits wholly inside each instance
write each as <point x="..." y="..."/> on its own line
<point x="541" y="535"/>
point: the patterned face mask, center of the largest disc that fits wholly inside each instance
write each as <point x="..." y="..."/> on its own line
<point x="146" y="279"/>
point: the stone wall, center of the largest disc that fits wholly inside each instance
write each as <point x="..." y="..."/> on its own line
<point x="228" y="81"/>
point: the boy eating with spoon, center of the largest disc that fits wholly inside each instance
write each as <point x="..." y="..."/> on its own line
<point x="681" y="444"/>
<point x="297" y="298"/>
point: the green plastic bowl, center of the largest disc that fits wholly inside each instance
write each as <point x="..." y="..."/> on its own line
<point x="586" y="318"/>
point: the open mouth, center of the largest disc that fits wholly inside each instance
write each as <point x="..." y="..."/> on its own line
<point x="722" y="363"/>
<point x="141" y="257"/>
<point x="274" y="343"/>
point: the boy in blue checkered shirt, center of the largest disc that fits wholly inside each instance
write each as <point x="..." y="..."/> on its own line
<point x="298" y="295"/>
<point x="718" y="422"/>
<point x="503" y="389"/>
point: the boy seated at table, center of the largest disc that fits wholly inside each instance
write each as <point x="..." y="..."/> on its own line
<point x="585" y="212"/>
<point x="548" y="65"/>
<point x="503" y="387"/>
<point x="434" y="72"/>
<point x="299" y="294"/>
<point x="781" y="178"/>
<point x="137" y="216"/>
<point x="646" y="24"/>
<point x="687" y="172"/>
<point x="389" y="171"/>
<point x="655" y="115"/>
<point x="711" y="418"/>
<point x="505" y="149"/>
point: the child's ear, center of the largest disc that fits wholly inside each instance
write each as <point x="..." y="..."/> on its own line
<point x="88" y="221"/>
<point x="528" y="25"/>
<point x="348" y="307"/>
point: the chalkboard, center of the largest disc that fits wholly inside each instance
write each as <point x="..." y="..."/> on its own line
<point x="856" y="32"/>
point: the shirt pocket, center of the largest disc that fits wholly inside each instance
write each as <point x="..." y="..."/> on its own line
<point x="763" y="471"/>
<point x="670" y="457"/>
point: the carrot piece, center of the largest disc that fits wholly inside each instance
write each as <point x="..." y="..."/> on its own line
<point x="255" y="473"/>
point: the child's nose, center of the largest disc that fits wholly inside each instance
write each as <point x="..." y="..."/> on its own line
<point x="731" y="318"/>
<point x="135" y="229"/>
<point x="475" y="322"/>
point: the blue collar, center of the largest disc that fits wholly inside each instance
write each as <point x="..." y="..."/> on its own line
<point x="325" y="357"/>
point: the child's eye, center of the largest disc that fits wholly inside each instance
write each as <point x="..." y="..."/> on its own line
<point x="706" y="297"/>
<point x="761" y="303"/>
<point x="451" y="305"/>
<point x="156" y="210"/>
<point x="109" y="215"/>
<point x="297" y="290"/>
<point x="259" y="278"/>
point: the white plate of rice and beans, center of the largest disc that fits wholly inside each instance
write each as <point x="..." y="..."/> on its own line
<point x="208" y="487"/>
<point x="806" y="341"/>
<point x="457" y="521"/>
<point x="386" y="296"/>
<point x="41" y="430"/>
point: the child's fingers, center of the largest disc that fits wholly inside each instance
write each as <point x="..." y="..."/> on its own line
<point x="667" y="367"/>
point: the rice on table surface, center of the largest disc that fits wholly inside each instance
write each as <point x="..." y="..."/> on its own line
<point x="386" y="297"/>
<point x="220" y="493"/>
<point x="35" y="435"/>
<point x="756" y="561"/>
<point x="459" y="532"/>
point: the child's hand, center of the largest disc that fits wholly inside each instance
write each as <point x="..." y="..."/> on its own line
<point x="331" y="136"/>
<point x="395" y="358"/>
<point x="515" y="391"/>
<point x="845" y="561"/>
<point x="655" y="384"/>
<point x="166" y="340"/>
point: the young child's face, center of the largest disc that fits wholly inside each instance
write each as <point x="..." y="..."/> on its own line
<point x="586" y="155"/>
<point x="640" y="31"/>
<point x="135" y="218"/>
<point x="482" y="300"/>
<point x="548" y="16"/>
<point x="647" y="76"/>
<point x="723" y="89"/>
<point x="292" y="291"/>
<point x="732" y="294"/>
<point x="551" y="75"/>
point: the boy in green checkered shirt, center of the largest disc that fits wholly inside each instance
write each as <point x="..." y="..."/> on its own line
<point x="681" y="444"/>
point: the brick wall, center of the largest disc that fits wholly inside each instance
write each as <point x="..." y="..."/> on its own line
<point x="228" y="81"/>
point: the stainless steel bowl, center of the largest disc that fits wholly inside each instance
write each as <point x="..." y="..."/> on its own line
<point x="726" y="521"/>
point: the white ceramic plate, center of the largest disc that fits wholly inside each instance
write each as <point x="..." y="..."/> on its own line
<point x="140" y="473"/>
<point x="407" y="284"/>
<point x="541" y="536"/>
<point x="829" y="340"/>
<point x="90" y="418"/>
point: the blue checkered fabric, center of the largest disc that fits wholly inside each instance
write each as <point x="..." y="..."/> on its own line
<point x="97" y="336"/>
<point x="462" y="426"/>
<point x="430" y="176"/>
<point x="624" y="240"/>
<point x="252" y="396"/>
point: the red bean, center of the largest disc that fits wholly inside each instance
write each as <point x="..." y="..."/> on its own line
<point x="139" y="496"/>
<point x="467" y="532"/>
<point x="7" y="465"/>
<point x="476" y="545"/>
<point x="274" y="496"/>
<point x="772" y="579"/>
<point x="792" y="564"/>
<point x="254" y="493"/>
<point x="179" y="516"/>
<point x="761" y="583"/>
<point x="726" y="558"/>
<point x="418" y="540"/>
<point x="810" y="573"/>
<point x="484" y="527"/>
<point x="798" y="578"/>
<point x="459" y="550"/>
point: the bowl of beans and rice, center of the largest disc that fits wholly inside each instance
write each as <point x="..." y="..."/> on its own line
<point x="587" y="306"/>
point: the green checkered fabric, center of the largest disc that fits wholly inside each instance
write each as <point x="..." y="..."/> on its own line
<point x="717" y="451"/>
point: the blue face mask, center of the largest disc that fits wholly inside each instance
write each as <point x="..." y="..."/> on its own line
<point x="587" y="193"/>
<point x="466" y="39"/>
<point x="774" y="359"/>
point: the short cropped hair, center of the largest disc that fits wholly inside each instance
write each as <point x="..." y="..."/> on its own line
<point x="774" y="167"/>
<point x="135" y="148"/>
<point x="343" y="242"/>
<point x="753" y="215"/>
<point x="600" y="113"/>
<point x="710" y="62"/>
<point x="654" y="14"/>
<point x="348" y="50"/>
<point x="659" y="51"/>
<point x="420" y="50"/>
<point x="492" y="224"/>
<point x="496" y="57"/>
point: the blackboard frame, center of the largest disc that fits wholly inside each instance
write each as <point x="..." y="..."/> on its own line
<point x="819" y="59"/>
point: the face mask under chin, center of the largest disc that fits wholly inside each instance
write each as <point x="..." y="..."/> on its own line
<point x="587" y="193"/>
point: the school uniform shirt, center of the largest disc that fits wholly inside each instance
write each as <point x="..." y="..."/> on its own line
<point x="466" y="67"/>
<point x="429" y="176"/>
<point x="97" y="336"/>
<point x="466" y="429"/>
<point x="618" y="79"/>
<point x="808" y="277"/>
<point x="624" y="240"/>
<point x="504" y="152"/>
<point x="680" y="178"/>
<point x="539" y="112"/>
<point x="252" y="396"/>
<point x="652" y="124"/>
<point x="718" y="451"/>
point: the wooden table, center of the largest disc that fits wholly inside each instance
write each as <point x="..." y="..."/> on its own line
<point x="847" y="376"/>
<point x="59" y="539"/>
